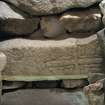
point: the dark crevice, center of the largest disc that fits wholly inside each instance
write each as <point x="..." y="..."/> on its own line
<point x="40" y="85"/>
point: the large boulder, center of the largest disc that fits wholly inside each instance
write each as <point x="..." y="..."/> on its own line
<point x="45" y="7"/>
<point x="70" y="56"/>
<point x="85" y="20"/>
<point x="12" y="22"/>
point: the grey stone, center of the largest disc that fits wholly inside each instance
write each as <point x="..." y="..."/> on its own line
<point x="13" y="22"/>
<point x="93" y="77"/>
<point x="37" y="35"/>
<point x="95" y="93"/>
<point x="70" y="56"/>
<point x="52" y="27"/>
<point x="73" y="83"/>
<point x="88" y="20"/>
<point x="45" y="96"/>
<point x="101" y="36"/>
<point x="96" y="98"/>
<point x="3" y="61"/>
<point x="102" y="8"/>
<point x="19" y="27"/>
<point x="7" y="12"/>
<point x="103" y="20"/>
<point x="45" y="7"/>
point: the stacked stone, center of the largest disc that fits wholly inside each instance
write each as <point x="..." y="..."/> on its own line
<point x="98" y="96"/>
<point x="63" y="32"/>
<point x="49" y="18"/>
<point x="53" y="38"/>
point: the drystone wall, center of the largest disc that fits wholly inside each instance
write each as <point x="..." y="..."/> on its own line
<point x="54" y="38"/>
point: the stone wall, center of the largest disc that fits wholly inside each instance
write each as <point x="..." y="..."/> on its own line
<point x="54" y="38"/>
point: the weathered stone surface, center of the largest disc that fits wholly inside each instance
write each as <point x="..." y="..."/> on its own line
<point x="45" y="7"/>
<point x="15" y="23"/>
<point x="93" y="77"/>
<point x="73" y="83"/>
<point x="96" y="98"/>
<point x="8" y="12"/>
<point x="45" y="96"/>
<point x="95" y="93"/>
<point x="51" y="26"/>
<point x="102" y="7"/>
<point x="18" y="27"/>
<point x="69" y="56"/>
<point x="37" y="35"/>
<point x="101" y="36"/>
<point x="85" y="20"/>
<point x="3" y="61"/>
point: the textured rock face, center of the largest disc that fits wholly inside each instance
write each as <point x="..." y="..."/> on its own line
<point x="47" y="97"/>
<point x="74" y="54"/>
<point x="95" y="93"/>
<point x="19" y="27"/>
<point x="73" y="83"/>
<point x="52" y="27"/>
<point x="102" y="8"/>
<point x="14" y="23"/>
<point x="93" y="77"/>
<point x="49" y="57"/>
<point x="45" y="7"/>
<point x="3" y="61"/>
<point x="96" y="99"/>
<point x="88" y="20"/>
<point x="73" y="21"/>
<point x="7" y="12"/>
<point x="101" y="36"/>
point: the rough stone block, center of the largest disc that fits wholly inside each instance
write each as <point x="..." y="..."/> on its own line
<point x="70" y="56"/>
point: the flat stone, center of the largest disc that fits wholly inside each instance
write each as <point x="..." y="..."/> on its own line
<point x="44" y="96"/>
<point x="13" y="22"/>
<point x="70" y="56"/>
<point x="45" y="7"/>
<point x="84" y="20"/>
